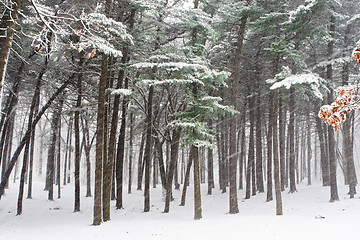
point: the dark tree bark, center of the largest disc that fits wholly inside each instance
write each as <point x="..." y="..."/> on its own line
<point x="309" y="150"/>
<point x="291" y="134"/>
<point x="279" y="210"/>
<point x="348" y="146"/>
<point x="242" y="148"/>
<point x="147" y="153"/>
<point x="331" y="138"/>
<point x="324" y="161"/>
<point x="187" y="179"/>
<point x="58" y="160"/>
<point x="210" y="165"/>
<point x="112" y="139"/>
<point x="251" y="154"/>
<point x="259" y="157"/>
<point x="131" y="137"/>
<point x="87" y="149"/>
<point x="197" y="189"/>
<point x="233" y="159"/>
<point x="174" y="153"/>
<point x="98" y="216"/>
<point x="68" y="148"/>
<point x="140" y="161"/>
<point x="160" y="157"/>
<point x="120" y="154"/>
<point x="51" y="152"/>
<point x="269" y="143"/>
<point x="282" y="142"/>
<point x="77" y="134"/>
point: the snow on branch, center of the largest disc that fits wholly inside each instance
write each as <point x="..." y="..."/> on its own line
<point x="114" y="92"/>
<point x="287" y="80"/>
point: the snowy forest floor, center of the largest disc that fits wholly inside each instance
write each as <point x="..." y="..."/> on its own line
<point x="42" y="219"/>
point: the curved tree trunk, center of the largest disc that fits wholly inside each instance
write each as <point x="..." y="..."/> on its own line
<point x="26" y="137"/>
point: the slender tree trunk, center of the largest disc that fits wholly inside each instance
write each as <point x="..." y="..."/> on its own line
<point x="210" y="163"/>
<point x="98" y="215"/>
<point x="259" y="157"/>
<point x="331" y="138"/>
<point x="197" y="189"/>
<point x="279" y="210"/>
<point x="324" y="161"/>
<point x="282" y="142"/>
<point x="233" y="203"/>
<point x="68" y="148"/>
<point x="251" y="155"/>
<point x="269" y="185"/>
<point x="309" y="150"/>
<point x="69" y="158"/>
<point x="147" y="154"/>
<point x="58" y="161"/>
<point x="131" y="137"/>
<point x="187" y="179"/>
<point x="242" y="148"/>
<point x="51" y="152"/>
<point x="120" y="155"/>
<point x="174" y="153"/>
<point x="77" y="135"/>
<point x="87" y="149"/>
<point x="140" y="161"/>
<point x="291" y="134"/>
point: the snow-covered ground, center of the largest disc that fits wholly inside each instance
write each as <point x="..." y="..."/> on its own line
<point x="307" y="215"/>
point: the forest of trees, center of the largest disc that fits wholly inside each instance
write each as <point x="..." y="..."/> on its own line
<point x="222" y="95"/>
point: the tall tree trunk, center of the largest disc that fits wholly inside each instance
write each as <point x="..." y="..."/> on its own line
<point x="98" y="216"/>
<point x="291" y="134"/>
<point x="51" y="152"/>
<point x="197" y="189"/>
<point x="147" y="154"/>
<point x="242" y="148"/>
<point x="131" y="137"/>
<point x="77" y="134"/>
<point x="279" y="210"/>
<point x="140" y="160"/>
<point x="210" y="165"/>
<point x="233" y="203"/>
<point x="309" y="150"/>
<point x="87" y="149"/>
<point x="120" y="154"/>
<point x="58" y="161"/>
<point x="331" y="138"/>
<point x="348" y="146"/>
<point x="259" y="157"/>
<point x="282" y="142"/>
<point x="324" y="161"/>
<point x="251" y="155"/>
<point x="68" y="148"/>
<point x="269" y="145"/>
